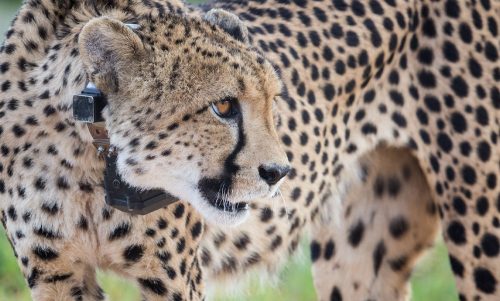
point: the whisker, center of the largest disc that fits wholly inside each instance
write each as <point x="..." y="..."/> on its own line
<point x="283" y="202"/>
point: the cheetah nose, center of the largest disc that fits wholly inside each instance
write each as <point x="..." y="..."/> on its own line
<point x="272" y="173"/>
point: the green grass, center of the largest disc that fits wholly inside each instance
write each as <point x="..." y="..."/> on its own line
<point x="432" y="281"/>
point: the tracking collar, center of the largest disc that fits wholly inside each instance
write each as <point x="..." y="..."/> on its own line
<point x="87" y="108"/>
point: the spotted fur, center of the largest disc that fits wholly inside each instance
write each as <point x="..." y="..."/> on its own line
<point x="391" y="123"/>
<point x="388" y="115"/>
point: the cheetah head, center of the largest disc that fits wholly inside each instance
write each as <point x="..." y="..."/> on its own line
<point x="189" y="109"/>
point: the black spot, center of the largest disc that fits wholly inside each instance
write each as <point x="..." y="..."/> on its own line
<point x="393" y="186"/>
<point x="459" y="205"/>
<point x="369" y="128"/>
<point x="40" y="184"/>
<point x="335" y="295"/>
<point x="315" y="250"/>
<point x="444" y="142"/>
<point x="77" y="293"/>
<point x="456" y="266"/>
<point x="329" y="250"/>
<point x="45" y="95"/>
<point x="475" y="68"/>
<point x="181" y="245"/>
<point x="12" y="213"/>
<point x="399" y="263"/>
<point x="427" y="79"/>
<point x="490" y="245"/>
<point x="241" y="242"/>
<point x="329" y="91"/>
<point x="398" y="227"/>
<point x="49" y="110"/>
<point x="465" y="148"/>
<point x="85" y="187"/>
<point x="426" y="56"/>
<point x="485" y="281"/>
<point x="62" y="183"/>
<point x="196" y="230"/>
<point x="356" y="233"/>
<point x="161" y="223"/>
<point x="458" y="122"/>
<point x="10" y="48"/>
<point x="432" y="103"/>
<point x="58" y="278"/>
<point x="45" y="253"/>
<point x="26" y="217"/>
<point x="83" y="223"/>
<point x="450" y="52"/>
<point x="119" y="232"/>
<point x="469" y="175"/>
<point x="170" y="272"/>
<point x="428" y="27"/>
<point x="396" y="97"/>
<point x="459" y="86"/>
<point x="495" y="97"/>
<point x="484" y="151"/>
<point x="133" y="253"/>
<point x="352" y="39"/>
<point x="491" y="52"/>
<point x="46" y="233"/>
<point x="154" y="285"/>
<point x="18" y="130"/>
<point x="276" y="242"/>
<point x="378" y="255"/>
<point x="177" y="296"/>
<point x="33" y="277"/>
<point x="456" y="232"/>
<point x="452" y="9"/>
<point x="5" y="86"/>
<point x="179" y="211"/>
<point x="379" y="186"/>
<point x="4" y="67"/>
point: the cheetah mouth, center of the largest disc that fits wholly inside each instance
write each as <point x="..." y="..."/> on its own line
<point x="215" y="196"/>
<point x="227" y="206"/>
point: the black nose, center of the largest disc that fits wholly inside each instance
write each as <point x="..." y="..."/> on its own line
<point x="272" y="173"/>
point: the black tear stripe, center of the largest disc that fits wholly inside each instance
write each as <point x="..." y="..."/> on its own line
<point x="209" y="187"/>
<point x="230" y="167"/>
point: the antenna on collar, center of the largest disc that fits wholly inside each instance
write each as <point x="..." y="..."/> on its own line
<point x="87" y="108"/>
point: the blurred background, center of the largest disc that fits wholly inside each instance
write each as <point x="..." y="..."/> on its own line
<point x="432" y="281"/>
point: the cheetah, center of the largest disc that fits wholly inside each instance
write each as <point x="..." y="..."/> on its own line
<point x="387" y="113"/>
<point x="175" y="86"/>
<point x="390" y="119"/>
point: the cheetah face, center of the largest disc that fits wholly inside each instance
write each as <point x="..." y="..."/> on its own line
<point x="190" y="110"/>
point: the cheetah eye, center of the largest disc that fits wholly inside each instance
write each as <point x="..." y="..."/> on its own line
<point x="225" y="108"/>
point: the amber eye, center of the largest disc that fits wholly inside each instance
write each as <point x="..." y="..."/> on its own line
<point x="225" y="108"/>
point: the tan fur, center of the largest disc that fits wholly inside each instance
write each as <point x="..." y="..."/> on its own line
<point x="370" y="90"/>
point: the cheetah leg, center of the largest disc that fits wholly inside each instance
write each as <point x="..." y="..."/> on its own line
<point x="469" y="201"/>
<point x="56" y="266"/>
<point x="388" y="220"/>
<point x="75" y="282"/>
<point x="158" y="251"/>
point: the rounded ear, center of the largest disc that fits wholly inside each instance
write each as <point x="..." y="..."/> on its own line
<point x="109" y="49"/>
<point x="229" y="22"/>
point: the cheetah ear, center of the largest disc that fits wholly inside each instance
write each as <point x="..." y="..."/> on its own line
<point x="109" y="50"/>
<point x="229" y="22"/>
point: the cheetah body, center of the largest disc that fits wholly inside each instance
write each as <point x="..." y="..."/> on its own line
<point x="389" y="116"/>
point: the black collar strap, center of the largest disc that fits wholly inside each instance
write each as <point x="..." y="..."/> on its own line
<point x="87" y="108"/>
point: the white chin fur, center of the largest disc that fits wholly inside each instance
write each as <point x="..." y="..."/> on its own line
<point x="188" y="193"/>
<point x="210" y="213"/>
